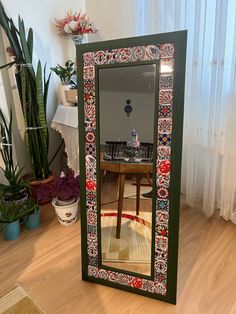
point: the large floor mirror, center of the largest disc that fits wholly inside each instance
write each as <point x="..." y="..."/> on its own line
<point x="128" y="94"/>
<point x="130" y="118"/>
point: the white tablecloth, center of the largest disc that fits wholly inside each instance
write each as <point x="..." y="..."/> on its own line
<point x="65" y="121"/>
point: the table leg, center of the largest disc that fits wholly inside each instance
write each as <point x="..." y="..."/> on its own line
<point x="138" y="179"/>
<point x="120" y="203"/>
<point x="149" y="178"/>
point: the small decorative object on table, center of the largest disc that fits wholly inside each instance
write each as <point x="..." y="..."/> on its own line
<point x="75" y="25"/>
<point x="132" y="148"/>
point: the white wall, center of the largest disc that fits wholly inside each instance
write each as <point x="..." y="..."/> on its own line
<point x="113" y="19"/>
<point x="48" y="46"/>
<point x="114" y="123"/>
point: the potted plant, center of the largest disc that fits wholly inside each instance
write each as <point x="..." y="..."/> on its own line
<point x="33" y="87"/>
<point x="66" y="189"/>
<point x="16" y="189"/>
<point x="32" y="219"/>
<point x="65" y="73"/>
<point x="10" y="215"/>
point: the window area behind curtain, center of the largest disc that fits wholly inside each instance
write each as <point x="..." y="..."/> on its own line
<point x="209" y="151"/>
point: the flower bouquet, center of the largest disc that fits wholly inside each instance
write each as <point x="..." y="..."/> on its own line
<point x="74" y="24"/>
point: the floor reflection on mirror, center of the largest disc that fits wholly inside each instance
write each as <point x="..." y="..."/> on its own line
<point x="132" y="252"/>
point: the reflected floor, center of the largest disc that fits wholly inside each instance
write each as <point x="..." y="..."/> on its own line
<point x="132" y="252"/>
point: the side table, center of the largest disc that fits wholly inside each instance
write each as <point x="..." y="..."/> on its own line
<point x="65" y="121"/>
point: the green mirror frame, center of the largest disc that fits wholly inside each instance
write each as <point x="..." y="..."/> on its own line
<point x="167" y="49"/>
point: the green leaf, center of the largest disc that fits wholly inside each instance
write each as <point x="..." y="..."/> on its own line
<point x="42" y="111"/>
<point x="24" y="45"/>
<point x="7" y="65"/>
<point x="7" y="151"/>
<point x="46" y="86"/>
<point x="15" y="44"/>
<point x="30" y="40"/>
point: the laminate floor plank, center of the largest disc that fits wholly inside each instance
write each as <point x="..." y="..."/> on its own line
<point x="47" y="263"/>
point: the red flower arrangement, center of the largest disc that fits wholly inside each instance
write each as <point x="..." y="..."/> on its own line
<point x="74" y="24"/>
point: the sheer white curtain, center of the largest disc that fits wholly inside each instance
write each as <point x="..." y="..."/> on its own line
<point x="209" y="152"/>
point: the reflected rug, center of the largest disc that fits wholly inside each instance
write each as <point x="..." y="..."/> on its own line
<point x="134" y="245"/>
<point x="17" y="301"/>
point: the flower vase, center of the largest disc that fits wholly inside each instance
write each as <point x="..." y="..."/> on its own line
<point x="77" y="39"/>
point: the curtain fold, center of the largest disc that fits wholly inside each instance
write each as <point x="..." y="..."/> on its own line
<point x="209" y="147"/>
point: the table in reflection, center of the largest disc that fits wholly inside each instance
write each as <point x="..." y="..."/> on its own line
<point x="123" y="168"/>
<point x="126" y="223"/>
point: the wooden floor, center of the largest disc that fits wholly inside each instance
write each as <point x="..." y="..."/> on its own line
<point x="47" y="263"/>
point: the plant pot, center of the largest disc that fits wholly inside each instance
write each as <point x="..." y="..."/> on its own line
<point x="62" y="96"/>
<point x="65" y="203"/>
<point x="71" y="96"/>
<point x="66" y="214"/>
<point x="21" y="198"/>
<point x="11" y="231"/>
<point x="37" y="185"/>
<point x="32" y="221"/>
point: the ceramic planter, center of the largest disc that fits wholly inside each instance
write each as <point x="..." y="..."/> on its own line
<point x="71" y="96"/>
<point x="11" y="231"/>
<point x="22" y="198"/>
<point x="66" y="214"/>
<point x="62" y="96"/>
<point x="65" y="203"/>
<point x="32" y="221"/>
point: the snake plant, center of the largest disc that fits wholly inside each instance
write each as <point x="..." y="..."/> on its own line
<point x="33" y="91"/>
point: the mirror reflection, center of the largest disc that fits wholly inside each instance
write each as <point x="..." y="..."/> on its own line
<point x="126" y="111"/>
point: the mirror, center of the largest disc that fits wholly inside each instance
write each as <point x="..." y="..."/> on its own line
<point x="128" y="94"/>
<point x="130" y="117"/>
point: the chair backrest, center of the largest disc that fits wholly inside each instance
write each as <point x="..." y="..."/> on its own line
<point x="146" y="151"/>
<point x="115" y="150"/>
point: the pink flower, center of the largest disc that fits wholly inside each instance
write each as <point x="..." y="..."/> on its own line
<point x="74" y="24"/>
<point x="62" y="175"/>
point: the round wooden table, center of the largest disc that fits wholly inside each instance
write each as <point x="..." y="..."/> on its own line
<point x="123" y="168"/>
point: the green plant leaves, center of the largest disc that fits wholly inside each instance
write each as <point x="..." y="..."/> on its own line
<point x="30" y="41"/>
<point x="65" y="73"/>
<point x="25" y="49"/>
<point x="7" y="65"/>
<point x="33" y="91"/>
<point x="6" y="137"/>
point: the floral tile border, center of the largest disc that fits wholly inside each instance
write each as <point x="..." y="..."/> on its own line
<point x="165" y="53"/>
